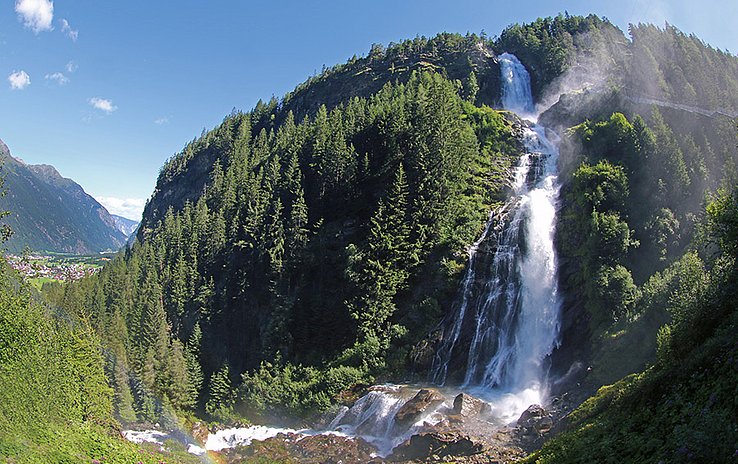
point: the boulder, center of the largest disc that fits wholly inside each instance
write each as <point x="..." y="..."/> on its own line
<point x="200" y="432"/>
<point x="469" y="406"/>
<point x="535" y="419"/>
<point x="424" y="401"/>
<point x="435" y="444"/>
<point x="315" y="449"/>
<point x="332" y="449"/>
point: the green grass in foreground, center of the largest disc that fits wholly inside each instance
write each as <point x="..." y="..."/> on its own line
<point x="86" y="443"/>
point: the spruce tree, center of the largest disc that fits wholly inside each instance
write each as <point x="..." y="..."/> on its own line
<point x="220" y="392"/>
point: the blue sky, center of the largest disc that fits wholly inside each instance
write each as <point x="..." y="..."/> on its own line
<point x="106" y="91"/>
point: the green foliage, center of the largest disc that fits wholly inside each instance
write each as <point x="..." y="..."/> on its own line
<point x="50" y="372"/>
<point x="616" y="291"/>
<point x="722" y="221"/>
<point x="381" y="270"/>
<point x="292" y="391"/>
<point x="221" y="395"/>
<point x="682" y="409"/>
<point x="315" y="241"/>
<point x="669" y="64"/>
<point x="602" y="187"/>
<point x="550" y="46"/>
<point x="663" y="230"/>
<point x="592" y="228"/>
<point x="55" y="402"/>
<point x="85" y="442"/>
<point x="633" y="191"/>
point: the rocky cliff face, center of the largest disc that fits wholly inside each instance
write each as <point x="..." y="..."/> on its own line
<point x="53" y="213"/>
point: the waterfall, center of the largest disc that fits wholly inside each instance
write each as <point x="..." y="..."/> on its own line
<point x="372" y="417"/>
<point x="516" y="92"/>
<point x="506" y="319"/>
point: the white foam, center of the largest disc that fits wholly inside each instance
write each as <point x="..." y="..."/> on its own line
<point x="148" y="436"/>
<point x="232" y="437"/>
<point x="196" y="450"/>
<point x="157" y="437"/>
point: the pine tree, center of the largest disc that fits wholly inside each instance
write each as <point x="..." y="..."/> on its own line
<point x="273" y="236"/>
<point x="471" y="87"/>
<point x="220" y="392"/>
<point x="296" y="235"/>
<point x="380" y="270"/>
<point x="117" y="341"/>
<point x="194" y="370"/>
<point x="175" y="384"/>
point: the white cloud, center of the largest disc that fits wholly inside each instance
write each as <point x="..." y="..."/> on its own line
<point x="71" y="67"/>
<point x="57" y="77"/>
<point x="102" y="104"/>
<point x="36" y="14"/>
<point x="67" y="29"/>
<point x="19" y="80"/>
<point x="162" y="120"/>
<point x="131" y="208"/>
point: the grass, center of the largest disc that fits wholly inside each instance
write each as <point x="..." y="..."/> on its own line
<point x="85" y="443"/>
<point x="38" y="282"/>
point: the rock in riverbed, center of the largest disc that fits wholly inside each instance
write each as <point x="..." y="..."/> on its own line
<point x="535" y="419"/>
<point x="469" y="406"/>
<point x="425" y="446"/>
<point x="426" y="400"/>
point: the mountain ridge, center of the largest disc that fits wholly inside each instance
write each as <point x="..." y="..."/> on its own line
<point x="52" y="213"/>
<point x="125" y="225"/>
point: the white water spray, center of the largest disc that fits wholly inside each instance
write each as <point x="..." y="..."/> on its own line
<point x="506" y="325"/>
<point x="516" y="92"/>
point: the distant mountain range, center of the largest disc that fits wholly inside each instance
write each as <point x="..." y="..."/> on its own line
<point x="53" y="213"/>
<point x="125" y="225"/>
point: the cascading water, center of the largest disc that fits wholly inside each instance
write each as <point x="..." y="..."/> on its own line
<point x="507" y="319"/>
<point x="516" y="92"/>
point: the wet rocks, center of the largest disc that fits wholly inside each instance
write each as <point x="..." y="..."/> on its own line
<point x="469" y="406"/>
<point x="200" y="432"/>
<point x="424" y="401"/>
<point x="315" y="449"/>
<point x="535" y="420"/>
<point x="428" y="445"/>
<point x="422" y="354"/>
<point x="353" y="393"/>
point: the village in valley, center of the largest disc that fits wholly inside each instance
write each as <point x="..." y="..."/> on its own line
<point x="39" y="268"/>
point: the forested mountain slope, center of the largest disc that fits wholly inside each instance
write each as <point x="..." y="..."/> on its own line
<point x="468" y="61"/>
<point x="55" y="401"/>
<point x="51" y="213"/>
<point x="316" y="242"/>
<point x="321" y="243"/>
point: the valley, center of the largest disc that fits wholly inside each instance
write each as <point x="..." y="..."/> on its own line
<point x="39" y="269"/>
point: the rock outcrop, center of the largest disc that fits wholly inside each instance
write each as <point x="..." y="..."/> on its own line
<point x="535" y="420"/>
<point x="425" y="401"/>
<point x="429" y="445"/>
<point x="468" y="406"/>
<point x="316" y="449"/>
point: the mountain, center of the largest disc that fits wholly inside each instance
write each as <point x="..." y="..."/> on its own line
<point x="53" y="213"/>
<point x="125" y="225"/>
<point x="319" y="243"/>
